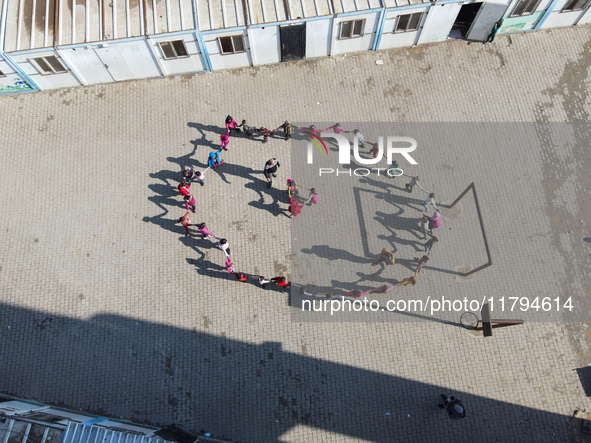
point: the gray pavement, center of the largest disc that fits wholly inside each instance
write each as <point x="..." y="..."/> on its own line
<point x="106" y="306"/>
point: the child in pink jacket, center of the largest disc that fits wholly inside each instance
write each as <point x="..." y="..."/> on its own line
<point x="190" y="202"/>
<point x="225" y="141"/>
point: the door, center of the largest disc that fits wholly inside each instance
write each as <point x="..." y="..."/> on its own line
<point x="113" y="60"/>
<point x="464" y="20"/>
<point x="440" y="19"/>
<point x="293" y="42"/>
<point x="489" y="14"/>
<point x="88" y="65"/>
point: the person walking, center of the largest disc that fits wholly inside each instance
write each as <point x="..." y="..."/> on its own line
<point x="360" y="138"/>
<point x="248" y="130"/>
<point x="225" y="247"/>
<point x="430" y="243"/>
<point x="408" y="281"/>
<point x="240" y="276"/>
<point x="435" y="222"/>
<point x="270" y="171"/>
<point x="430" y="201"/>
<point x="185" y="222"/>
<point x="375" y="149"/>
<point x="454" y="407"/>
<point x="424" y="223"/>
<point x="231" y="124"/>
<point x="494" y="31"/>
<point x="187" y="175"/>
<point x="263" y="281"/>
<point x="200" y="175"/>
<point x="214" y="159"/>
<point x="190" y="203"/>
<point x="413" y="182"/>
<point x="225" y="139"/>
<point x="266" y="132"/>
<point x="205" y="232"/>
<point x="336" y="128"/>
<point x="385" y="257"/>
<point x="229" y="266"/>
<point x="183" y="188"/>
<point x="424" y="259"/>
<point x="281" y="281"/>
<point x="287" y="129"/>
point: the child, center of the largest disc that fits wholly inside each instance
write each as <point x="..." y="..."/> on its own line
<point x="430" y="244"/>
<point x="204" y="231"/>
<point x="240" y="276"/>
<point x="375" y="149"/>
<point x="336" y="128"/>
<point x="185" y="222"/>
<point x="430" y="201"/>
<point x="281" y="281"/>
<point x="190" y="202"/>
<point x="265" y="133"/>
<point x="287" y="129"/>
<point x="383" y="289"/>
<point x="184" y="188"/>
<point x="188" y="175"/>
<point x="312" y="131"/>
<point x="229" y="266"/>
<point x="424" y="259"/>
<point x="408" y="281"/>
<point x="231" y="124"/>
<point x="248" y="130"/>
<point x="200" y="175"/>
<point x="263" y="282"/>
<point x="424" y="225"/>
<point x="214" y="159"/>
<point x="393" y="171"/>
<point x="224" y="246"/>
<point x="413" y="182"/>
<point x="314" y="197"/>
<point x="435" y="221"/>
<point x="360" y="137"/>
<point x="385" y="257"/>
<point x="225" y="141"/>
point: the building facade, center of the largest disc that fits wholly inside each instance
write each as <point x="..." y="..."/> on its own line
<point x="49" y="44"/>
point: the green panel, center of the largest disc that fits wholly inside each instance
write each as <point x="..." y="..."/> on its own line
<point x="523" y="23"/>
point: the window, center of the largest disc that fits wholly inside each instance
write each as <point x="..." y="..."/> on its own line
<point x="353" y="28"/>
<point x="44" y="417"/>
<point x="525" y="7"/>
<point x="232" y="44"/>
<point x="48" y="65"/>
<point x="175" y="49"/>
<point x="576" y="5"/>
<point x="409" y="22"/>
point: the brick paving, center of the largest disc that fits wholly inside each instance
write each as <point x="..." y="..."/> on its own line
<point x="107" y="307"/>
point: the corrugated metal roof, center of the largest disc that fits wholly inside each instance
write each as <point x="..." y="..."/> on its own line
<point x="31" y="24"/>
<point x="397" y="3"/>
<point x="219" y="14"/>
<point x="19" y="431"/>
<point x="342" y="6"/>
<point x="79" y="433"/>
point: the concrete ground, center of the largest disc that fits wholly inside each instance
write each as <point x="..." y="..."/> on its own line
<point x="107" y="307"/>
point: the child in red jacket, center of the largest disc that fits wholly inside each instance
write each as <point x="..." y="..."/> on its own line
<point x="185" y="222"/>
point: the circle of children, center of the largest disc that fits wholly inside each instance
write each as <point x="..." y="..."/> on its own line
<point x="427" y="224"/>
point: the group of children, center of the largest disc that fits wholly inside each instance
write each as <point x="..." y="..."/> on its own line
<point x="190" y="175"/>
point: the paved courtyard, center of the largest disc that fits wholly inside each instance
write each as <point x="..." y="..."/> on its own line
<point x="105" y="305"/>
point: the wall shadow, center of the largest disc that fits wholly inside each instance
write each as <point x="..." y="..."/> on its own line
<point x="159" y="374"/>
